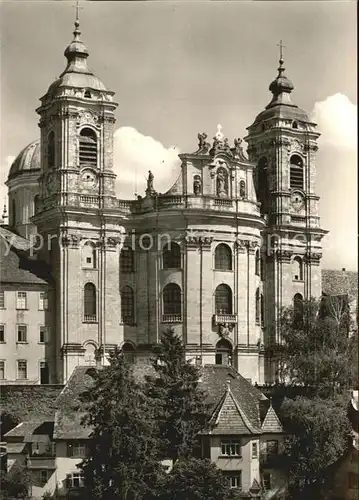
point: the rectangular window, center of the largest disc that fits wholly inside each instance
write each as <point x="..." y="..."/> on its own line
<point x="266" y="481"/>
<point x="2" y="370"/>
<point x="76" y="449"/>
<point x="2" y="299"/>
<point x="2" y="333"/>
<point x="272" y="447"/>
<point x="43" y="301"/>
<point x="22" y="370"/>
<point x="21" y="300"/>
<point x="231" y="448"/>
<point x="21" y="333"/>
<point x="44" y="372"/>
<point x="234" y="480"/>
<point x="44" y="477"/>
<point x="44" y="334"/>
<point x="254" y="450"/>
<point x="75" y="480"/>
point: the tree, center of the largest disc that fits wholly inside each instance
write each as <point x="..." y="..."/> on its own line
<point x="194" y="479"/>
<point x="123" y="459"/>
<point x="181" y="412"/>
<point x="315" y="349"/>
<point x="15" y="483"/>
<point x="318" y="434"/>
<point x="317" y="353"/>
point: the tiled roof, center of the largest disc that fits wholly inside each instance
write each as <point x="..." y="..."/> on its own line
<point x="339" y="282"/>
<point x="271" y="423"/>
<point x="16" y="267"/>
<point x="30" y="402"/>
<point x="229" y="417"/>
<point x="23" y="429"/>
<point x="215" y="380"/>
<point x="15" y="447"/>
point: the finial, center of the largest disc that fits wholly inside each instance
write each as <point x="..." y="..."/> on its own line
<point x="281" y="60"/>
<point x="228" y="383"/>
<point x="219" y="136"/>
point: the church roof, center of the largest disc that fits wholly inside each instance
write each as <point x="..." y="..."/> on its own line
<point x="27" y="160"/>
<point x="271" y="423"/>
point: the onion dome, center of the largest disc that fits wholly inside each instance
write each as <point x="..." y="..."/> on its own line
<point x="77" y="74"/>
<point x="281" y="87"/>
<point x="28" y="161"/>
<point x="281" y="105"/>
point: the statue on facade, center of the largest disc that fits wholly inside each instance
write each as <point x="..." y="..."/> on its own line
<point x="242" y="189"/>
<point x="150" y="181"/>
<point x="197" y="185"/>
<point x="221" y="182"/>
<point x="203" y="145"/>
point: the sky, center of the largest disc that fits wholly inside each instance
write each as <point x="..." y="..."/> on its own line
<point x="179" y="68"/>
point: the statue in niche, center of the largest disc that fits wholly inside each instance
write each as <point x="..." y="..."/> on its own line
<point x="222" y="187"/>
<point x="197" y="185"/>
<point x="242" y="189"/>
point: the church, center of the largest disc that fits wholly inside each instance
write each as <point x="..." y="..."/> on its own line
<point x="216" y="257"/>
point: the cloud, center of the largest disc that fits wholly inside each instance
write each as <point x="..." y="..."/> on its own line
<point x="336" y="117"/>
<point x="135" y="154"/>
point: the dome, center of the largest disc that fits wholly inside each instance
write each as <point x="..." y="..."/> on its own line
<point x="28" y="160"/>
<point x="77" y="74"/>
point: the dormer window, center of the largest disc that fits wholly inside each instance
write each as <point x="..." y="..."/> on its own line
<point x="87" y="94"/>
<point x="295" y="124"/>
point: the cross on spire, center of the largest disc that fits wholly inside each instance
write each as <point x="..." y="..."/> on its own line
<point x="77" y="10"/>
<point x="281" y="47"/>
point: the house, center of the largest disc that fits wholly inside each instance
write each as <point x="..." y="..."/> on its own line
<point x="243" y="426"/>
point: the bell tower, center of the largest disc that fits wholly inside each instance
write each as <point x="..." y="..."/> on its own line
<point x="75" y="216"/>
<point x="282" y="142"/>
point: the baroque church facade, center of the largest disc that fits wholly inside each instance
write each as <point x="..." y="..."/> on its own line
<point x="216" y="257"/>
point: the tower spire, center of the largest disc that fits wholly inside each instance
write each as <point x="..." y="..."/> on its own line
<point x="281" y="87"/>
<point x="76" y="53"/>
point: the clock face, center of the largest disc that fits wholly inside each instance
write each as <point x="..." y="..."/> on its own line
<point x="297" y="201"/>
<point x="88" y="178"/>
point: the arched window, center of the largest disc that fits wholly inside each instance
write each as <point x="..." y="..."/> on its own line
<point x="13" y="212"/>
<point x="297" y="269"/>
<point x="36" y="203"/>
<point x="262" y="268"/>
<point x="127" y="260"/>
<point x="223" y="299"/>
<point x="298" y="310"/>
<point x="294" y="124"/>
<point x="90" y="302"/>
<point x="172" y="299"/>
<point x="172" y="256"/>
<point x="262" y="184"/>
<point x="88" y="147"/>
<point x="258" y="307"/>
<point x="224" y="352"/>
<point x="89" y="255"/>
<point x="223" y="258"/>
<point x="296" y="172"/>
<point x="262" y="309"/>
<point x="129" y="352"/>
<point x="258" y="263"/>
<point x="51" y="149"/>
<point x="90" y="354"/>
<point x="127" y="306"/>
<point x="242" y="189"/>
